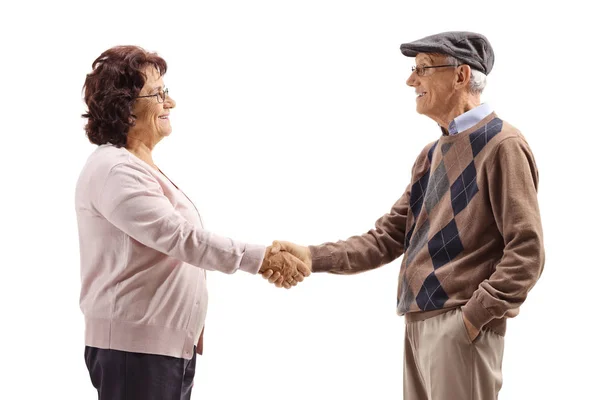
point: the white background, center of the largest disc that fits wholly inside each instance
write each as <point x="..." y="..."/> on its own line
<point x="293" y="122"/>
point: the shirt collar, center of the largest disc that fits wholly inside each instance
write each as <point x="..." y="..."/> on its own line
<point x="469" y="119"/>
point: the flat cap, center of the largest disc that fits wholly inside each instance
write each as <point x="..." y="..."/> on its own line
<point x="470" y="48"/>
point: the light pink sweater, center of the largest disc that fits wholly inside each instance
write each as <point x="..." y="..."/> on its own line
<point x="144" y="253"/>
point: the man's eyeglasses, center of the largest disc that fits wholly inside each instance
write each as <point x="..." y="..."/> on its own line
<point x="421" y="68"/>
<point x="160" y="96"/>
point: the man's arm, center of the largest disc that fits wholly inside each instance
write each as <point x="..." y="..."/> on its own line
<point x="357" y="254"/>
<point x="513" y="180"/>
<point x="371" y="250"/>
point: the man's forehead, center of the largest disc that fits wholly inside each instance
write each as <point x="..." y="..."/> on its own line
<point x="428" y="57"/>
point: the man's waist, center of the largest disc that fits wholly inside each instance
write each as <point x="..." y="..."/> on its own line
<point x="496" y="325"/>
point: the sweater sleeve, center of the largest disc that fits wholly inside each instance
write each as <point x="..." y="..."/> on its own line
<point x="371" y="250"/>
<point x="513" y="179"/>
<point x="133" y="201"/>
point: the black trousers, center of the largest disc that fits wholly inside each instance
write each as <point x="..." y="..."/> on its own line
<point x="122" y="375"/>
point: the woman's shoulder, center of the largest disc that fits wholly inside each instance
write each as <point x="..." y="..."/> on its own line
<point x="109" y="163"/>
<point x="107" y="158"/>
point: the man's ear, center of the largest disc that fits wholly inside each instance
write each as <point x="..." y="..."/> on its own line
<point x="463" y="75"/>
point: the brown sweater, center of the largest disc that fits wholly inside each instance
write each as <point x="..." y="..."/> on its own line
<point x="468" y="225"/>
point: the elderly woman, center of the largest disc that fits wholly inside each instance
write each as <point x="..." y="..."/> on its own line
<point x="144" y="250"/>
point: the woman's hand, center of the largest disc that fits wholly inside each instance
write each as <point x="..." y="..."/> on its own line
<point x="284" y="268"/>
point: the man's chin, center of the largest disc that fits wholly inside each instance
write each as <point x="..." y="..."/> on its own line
<point x="424" y="110"/>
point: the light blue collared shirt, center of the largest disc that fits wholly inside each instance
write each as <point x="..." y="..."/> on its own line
<point x="469" y="119"/>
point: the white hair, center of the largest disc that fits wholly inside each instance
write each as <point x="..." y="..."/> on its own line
<point x="478" y="78"/>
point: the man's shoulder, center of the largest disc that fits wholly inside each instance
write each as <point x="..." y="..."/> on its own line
<point x="490" y="133"/>
<point x="508" y="130"/>
<point x="497" y="136"/>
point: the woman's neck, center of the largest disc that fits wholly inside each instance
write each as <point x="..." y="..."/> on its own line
<point x="141" y="150"/>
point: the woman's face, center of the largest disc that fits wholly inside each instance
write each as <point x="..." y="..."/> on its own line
<point x="152" y="113"/>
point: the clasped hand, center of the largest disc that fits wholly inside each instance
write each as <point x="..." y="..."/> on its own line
<point x="285" y="264"/>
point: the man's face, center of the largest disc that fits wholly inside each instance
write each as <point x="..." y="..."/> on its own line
<point x="435" y="87"/>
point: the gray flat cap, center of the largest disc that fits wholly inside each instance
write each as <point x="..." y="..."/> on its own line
<point x="470" y="48"/>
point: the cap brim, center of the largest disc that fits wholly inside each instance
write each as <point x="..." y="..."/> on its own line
<point x="412" y="49"/>
<point x="408" y="50"/>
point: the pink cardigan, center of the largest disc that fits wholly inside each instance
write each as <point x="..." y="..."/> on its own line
<point x="144" y="253"/>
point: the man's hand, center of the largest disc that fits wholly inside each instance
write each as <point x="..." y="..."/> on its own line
<point x="471" y="330"/>
<point x="300" y="253"/>
<point x="283" y="268"/>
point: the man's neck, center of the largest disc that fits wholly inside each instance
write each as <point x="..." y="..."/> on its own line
<point x="460" y="107"/>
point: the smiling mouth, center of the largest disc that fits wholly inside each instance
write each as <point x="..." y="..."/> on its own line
<point x="419" y="95"/>
<point x="164" y="117"/>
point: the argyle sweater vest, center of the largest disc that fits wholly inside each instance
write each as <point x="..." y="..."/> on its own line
<point x="468" y="225"/>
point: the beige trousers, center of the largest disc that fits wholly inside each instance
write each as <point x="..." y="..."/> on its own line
<point x="441" y="363"/>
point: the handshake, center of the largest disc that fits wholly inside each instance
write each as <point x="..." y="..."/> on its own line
<point x="285" y="264"/>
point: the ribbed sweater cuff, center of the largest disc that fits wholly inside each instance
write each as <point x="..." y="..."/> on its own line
<point x="476" y="313"/>
<point x="322" y="259"/>
<point x="252" y="258"/>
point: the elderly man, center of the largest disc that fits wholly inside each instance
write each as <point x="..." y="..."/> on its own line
<point x="468" y="225"/>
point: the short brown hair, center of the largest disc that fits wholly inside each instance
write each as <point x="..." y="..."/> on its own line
<point x="111" y="88"/>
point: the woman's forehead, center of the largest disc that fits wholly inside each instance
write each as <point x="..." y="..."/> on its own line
<point x="152" y="75"/>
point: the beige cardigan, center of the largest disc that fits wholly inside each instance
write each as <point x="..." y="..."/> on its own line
<point x="144" y="253"/>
